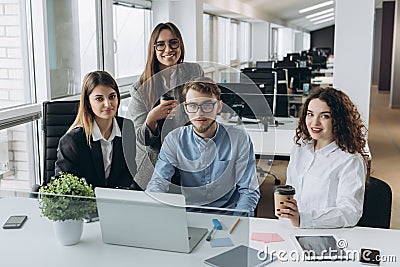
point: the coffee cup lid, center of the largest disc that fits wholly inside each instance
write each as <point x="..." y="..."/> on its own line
<point x="285" y="190"/>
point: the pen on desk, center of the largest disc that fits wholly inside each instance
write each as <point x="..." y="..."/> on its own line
<point x="217" y="226"/>
<point x="208" y="238"/>
<point x="234" y="225"/>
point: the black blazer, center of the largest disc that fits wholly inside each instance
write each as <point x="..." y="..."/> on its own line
<point x="75" y="156"/>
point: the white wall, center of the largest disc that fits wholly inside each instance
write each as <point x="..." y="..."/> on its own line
<point x="187" y="15"/>
<point x="306" y="41"/>
<point x="285" y="42"/>
<point x="353" y="51"/>
<point x="260" y="41"/>
<point x="298" y="41"/>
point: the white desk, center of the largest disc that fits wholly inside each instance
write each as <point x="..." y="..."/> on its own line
<point x="35" y="244"/>
<point x="322" y="81"/>
<point x="277" y="141"/>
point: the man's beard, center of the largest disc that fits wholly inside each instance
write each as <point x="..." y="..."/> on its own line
<point x="203" y="129"/>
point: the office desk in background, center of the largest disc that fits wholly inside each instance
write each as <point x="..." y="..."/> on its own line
<point x="322" y="81"/>
<point x="276" y="141"/>
<point x="35" y="244"/>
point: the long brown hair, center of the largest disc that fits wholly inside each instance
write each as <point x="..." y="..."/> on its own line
<point x="147" y="80"/>
<point x="85" y="115"/>
<point x="347" y="127"/>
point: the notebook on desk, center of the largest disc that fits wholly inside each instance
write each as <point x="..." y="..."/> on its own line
<point x="241" y="256"/>
<point x="146" y="220"/>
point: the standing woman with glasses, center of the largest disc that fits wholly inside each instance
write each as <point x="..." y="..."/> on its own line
<point x="157" y="93"/>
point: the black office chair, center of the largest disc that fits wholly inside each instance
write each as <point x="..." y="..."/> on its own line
<point x="58" y="116"/>
<point x="377" y="205"/>
<point x="282" y="101"/>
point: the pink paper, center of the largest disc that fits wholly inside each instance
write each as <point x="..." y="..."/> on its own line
<point x="266" y="237"/>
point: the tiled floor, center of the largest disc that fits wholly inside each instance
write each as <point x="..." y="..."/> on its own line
<point x="384" y="143"/>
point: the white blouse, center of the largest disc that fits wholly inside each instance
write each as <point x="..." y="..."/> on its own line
<point x="106" y="145"/>
<point x="329" y="185"/>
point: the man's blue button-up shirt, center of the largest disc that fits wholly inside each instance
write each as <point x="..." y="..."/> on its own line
<point x="217" y="172"/>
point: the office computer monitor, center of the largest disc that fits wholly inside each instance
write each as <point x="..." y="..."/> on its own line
<point x="265" y="64"/>
<point x="319" y="62"/>
<point x="304" y="61"/>
<point x="246" y="100"/>
<point x="293" y="56"/>
<point x="265" y="79"/>
<point x="286" y="64"/>
<point x="324" y="51"/>
<point x="298" y="77"/>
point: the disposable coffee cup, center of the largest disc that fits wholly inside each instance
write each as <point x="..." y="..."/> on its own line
<point x="282" y="193"/>
<point x="166" y="97"/>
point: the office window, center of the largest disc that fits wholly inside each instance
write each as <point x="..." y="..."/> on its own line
<point x="274" y="43"/>
<point x="18" y="157"/>
<point x="223" y="40"/>
<point x="15" y="58"/>
<point x="245" y="41"/>
<point x="73" y="44"/>
<point x="207" y="37"/>
<point x="233" y="41"/>
<point x="131" y="33"/>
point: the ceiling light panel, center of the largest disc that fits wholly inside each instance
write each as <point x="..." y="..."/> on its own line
<point x="322" y="17"/>
<point x="324" y="20"/>
<point x="327" y="3"/>
<point x="329" y="10"/>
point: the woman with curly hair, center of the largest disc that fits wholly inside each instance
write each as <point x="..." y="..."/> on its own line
<point x="327" y="166"/>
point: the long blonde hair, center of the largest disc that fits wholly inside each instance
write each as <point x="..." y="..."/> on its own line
<point x="85" y="115"/>
<point x="152" y="67"/>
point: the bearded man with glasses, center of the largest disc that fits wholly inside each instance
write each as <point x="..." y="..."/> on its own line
<point x="216" y="162"/>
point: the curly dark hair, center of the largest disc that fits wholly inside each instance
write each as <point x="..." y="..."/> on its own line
<point x="347" y="127"/>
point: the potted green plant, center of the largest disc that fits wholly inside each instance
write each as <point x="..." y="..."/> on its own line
<point x="66" y="200"/>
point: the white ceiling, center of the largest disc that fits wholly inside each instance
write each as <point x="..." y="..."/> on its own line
<point x="281" y="12"/>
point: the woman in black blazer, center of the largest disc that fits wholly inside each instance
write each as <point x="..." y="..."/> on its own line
<point x="94" y="147"/>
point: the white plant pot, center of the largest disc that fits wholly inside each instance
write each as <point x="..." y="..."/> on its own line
<point x="68" y="232"/>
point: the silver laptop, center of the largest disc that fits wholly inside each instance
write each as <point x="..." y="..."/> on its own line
<point x="146" y="220"/>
